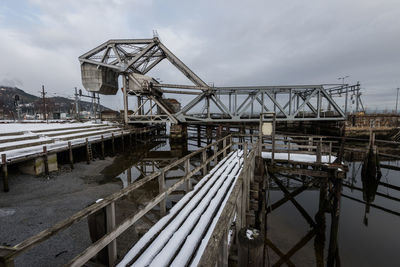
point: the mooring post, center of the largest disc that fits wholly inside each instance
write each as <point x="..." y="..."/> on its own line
<point x="45" y="160"/>
<point x="87" y="151"/>
<point x="5" y="172"/>
<point x="187" y="170"/>
<point x="203" y="160"/>
<point x="102" y="147"/>
<point x="71" y="157"/>
<point x="113" y="143"/>
<point x="110" y="223"/>
<point x="161" y="189"/>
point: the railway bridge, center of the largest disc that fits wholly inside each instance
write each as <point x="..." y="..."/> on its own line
<point x="132" y="59"/>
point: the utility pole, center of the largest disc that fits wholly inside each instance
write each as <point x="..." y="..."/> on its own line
<point x="44" y="104"/>
<point x="76" y="104"/>
<point x="347" y="93"/>
<point x="397" y="99"/>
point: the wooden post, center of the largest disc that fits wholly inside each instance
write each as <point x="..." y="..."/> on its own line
<point x="5" y="172"/>
<point x="203" y="160"/>
<point x="223" y="250"/>
<point x="250" y="247"/>
<point x="71" y="157"/>
<point x="113" y="143"/>
<point x="187" y="170"/>
<point x="87" y="152"/>
<point x="215" y="152"/>
<point x="245" y="202"/>
<point x="318" y="152"/>
<point x="130" y="138"/>
<point x="102" y="147"/>
<point x="223" y="147"/>
<point x="230" y="142"/>
<point x="273" y="139"/>
<point x="45" y="160"/>
<point x="122" y="141"/>
<point x="161" y="189"/>
<point x="129" y="175"/>
<point x="110" y="223"/>
<point x="330" y="151"/>
<point x="288" y="148"/>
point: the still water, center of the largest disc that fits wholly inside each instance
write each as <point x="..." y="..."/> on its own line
<point x="367" y="236"/>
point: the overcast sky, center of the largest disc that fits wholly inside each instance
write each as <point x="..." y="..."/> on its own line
<point x="225" y="42"/>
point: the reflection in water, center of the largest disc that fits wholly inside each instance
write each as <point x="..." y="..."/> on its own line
<point x="370" y="177"/>
<point x="381" y="195"/>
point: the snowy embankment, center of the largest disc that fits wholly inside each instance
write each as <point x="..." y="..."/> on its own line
<point x="19" y="140"/>
<point x="298" y="157"/>
<point x="186" y="229"/>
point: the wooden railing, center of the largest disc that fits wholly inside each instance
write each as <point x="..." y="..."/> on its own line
<point x="8" y="254"/>
<point x="237" y="205"/>
<point x="291" y="145"/>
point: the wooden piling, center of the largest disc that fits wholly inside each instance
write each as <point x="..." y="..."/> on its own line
<point x="250" y="247"/>
<point x="5" y="173"/>
<point x="113" y="143"/>
<point x="45" y="160"/>
<point x="102" y="147"/>
<point x="87" y="151"/>
<point x="71" y="157"/>
<point x="122" y="141"/>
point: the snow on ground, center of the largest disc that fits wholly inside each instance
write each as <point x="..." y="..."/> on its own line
<point x="298" y="157"/>
<point x="31" y="139"/>
<point x="27" y="127"/>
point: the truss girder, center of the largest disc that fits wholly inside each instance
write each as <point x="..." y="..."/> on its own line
<point x="290" y="102"/>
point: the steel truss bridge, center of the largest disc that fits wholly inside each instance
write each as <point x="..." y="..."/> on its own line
<point x="133" y="58"/>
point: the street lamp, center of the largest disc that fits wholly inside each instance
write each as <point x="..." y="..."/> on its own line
<point x="347" y="92"/>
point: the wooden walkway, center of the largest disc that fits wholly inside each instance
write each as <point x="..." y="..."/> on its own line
<point x="179" y="238"/>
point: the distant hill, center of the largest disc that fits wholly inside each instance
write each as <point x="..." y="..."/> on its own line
<point x="31" y="104"/>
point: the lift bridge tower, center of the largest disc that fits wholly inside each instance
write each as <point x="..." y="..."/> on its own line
<point x="132" y="59"/>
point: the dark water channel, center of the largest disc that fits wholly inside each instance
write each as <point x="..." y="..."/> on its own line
<point x="369" y="222"/>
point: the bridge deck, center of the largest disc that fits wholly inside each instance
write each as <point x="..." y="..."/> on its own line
<point x="180" y="237"/>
